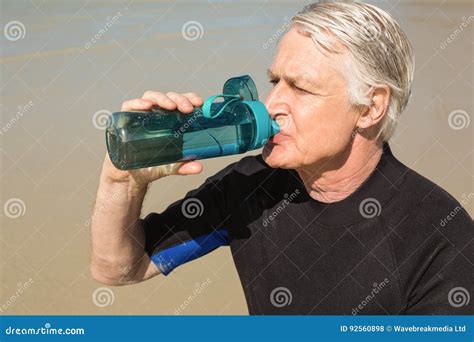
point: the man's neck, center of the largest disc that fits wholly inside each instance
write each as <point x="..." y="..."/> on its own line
<point x="339" y="177"/>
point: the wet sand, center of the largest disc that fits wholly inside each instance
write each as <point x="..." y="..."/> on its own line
<point x="79" y="58"/>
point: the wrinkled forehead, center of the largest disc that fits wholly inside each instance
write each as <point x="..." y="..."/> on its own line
<point x="297" y="52"/>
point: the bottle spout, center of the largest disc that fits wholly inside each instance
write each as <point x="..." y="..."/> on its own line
<point x="275" y="128"/>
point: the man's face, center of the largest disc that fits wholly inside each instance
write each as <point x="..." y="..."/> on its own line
<point x="310" y="102"/>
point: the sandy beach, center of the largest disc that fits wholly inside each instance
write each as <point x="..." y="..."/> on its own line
<point x="63" y="64"/>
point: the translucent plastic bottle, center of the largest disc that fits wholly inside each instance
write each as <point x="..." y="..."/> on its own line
<point x="237" y="124"/>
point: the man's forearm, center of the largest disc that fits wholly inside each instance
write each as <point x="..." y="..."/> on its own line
<point x="117" y="238"/>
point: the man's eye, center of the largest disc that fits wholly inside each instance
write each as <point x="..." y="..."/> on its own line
<point x="300" y="89"/>
<point x="274" y="82"/>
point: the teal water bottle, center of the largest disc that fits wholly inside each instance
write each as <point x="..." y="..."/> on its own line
<point x="237" y="124"/>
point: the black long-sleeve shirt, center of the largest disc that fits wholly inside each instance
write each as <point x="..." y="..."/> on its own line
<point x="398" y="245"/>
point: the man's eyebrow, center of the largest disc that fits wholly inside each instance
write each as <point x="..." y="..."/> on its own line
<point x="293" y="80"/>
<point x="271" y="75"/>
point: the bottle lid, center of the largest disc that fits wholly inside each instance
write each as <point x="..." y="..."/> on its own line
<point x="243" y="86"/>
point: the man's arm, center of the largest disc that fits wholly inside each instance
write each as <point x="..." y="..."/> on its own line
<point x="118" y="241"/>
<point x="118" y="256"/>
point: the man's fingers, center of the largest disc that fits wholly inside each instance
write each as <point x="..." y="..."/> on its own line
<point x="180" y="168"/>
<point x="194" y="99"/>
<point x="184" y="104"/>
<point x="136" y="104"/>
<point x="159" y="99"/>
<point x="190" y="168"/>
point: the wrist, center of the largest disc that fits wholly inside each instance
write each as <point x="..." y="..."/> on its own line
<point x="125" y="186"/>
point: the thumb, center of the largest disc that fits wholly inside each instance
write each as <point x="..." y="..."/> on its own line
<point x="181" y="168"/>
<point x="190" y="168"/>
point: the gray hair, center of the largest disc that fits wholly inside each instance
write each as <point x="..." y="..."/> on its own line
<point x="380" y="51"/>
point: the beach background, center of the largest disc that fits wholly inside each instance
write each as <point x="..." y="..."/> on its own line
<point x="66" y="63"/>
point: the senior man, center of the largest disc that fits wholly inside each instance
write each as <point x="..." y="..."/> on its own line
<point x="326" y="220"/>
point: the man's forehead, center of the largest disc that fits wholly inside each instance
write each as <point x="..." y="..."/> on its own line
<point x="298" y="57"/>
<point x="296" y="69"/>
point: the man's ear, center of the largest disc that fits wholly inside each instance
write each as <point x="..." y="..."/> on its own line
<point x="374" y="113"/>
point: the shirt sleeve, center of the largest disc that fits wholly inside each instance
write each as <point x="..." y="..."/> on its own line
<point x="443" y="279"/>
<point x="190" y="227"/>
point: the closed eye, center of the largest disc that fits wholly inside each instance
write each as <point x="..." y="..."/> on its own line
<point x="301" y="90"/>
<point x="275" y="81"/>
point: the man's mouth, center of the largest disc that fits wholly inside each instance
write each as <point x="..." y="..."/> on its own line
<point x="279" y="138"/>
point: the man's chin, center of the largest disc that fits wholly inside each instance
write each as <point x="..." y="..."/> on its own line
<point x="274" y="156"/>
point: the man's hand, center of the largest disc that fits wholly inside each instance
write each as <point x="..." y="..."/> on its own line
<point x="140" y="178"/>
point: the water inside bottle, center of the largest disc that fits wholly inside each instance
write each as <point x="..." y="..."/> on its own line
<point x="163" y="139"/>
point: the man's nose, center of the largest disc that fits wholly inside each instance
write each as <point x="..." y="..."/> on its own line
<point x="277" y="101"/>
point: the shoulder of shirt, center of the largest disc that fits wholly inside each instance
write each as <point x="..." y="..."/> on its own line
<point x="430" y="203"/>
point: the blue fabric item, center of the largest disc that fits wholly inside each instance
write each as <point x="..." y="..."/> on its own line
<point x="168" y="259"/>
